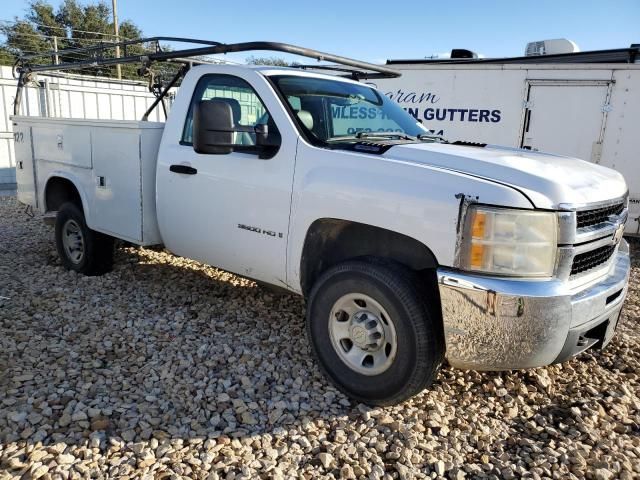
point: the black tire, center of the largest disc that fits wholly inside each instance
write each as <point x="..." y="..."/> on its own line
<point x="418" y="332"/>
<point x="96" y="248"/>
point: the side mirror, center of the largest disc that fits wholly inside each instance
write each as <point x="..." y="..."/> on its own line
<point x="262" y="133"/>
<point x="267" y="142"/>
<point x="213" y="127"/>
<point x="214" y="132"/>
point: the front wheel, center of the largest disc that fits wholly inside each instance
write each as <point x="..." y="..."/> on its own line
<point x="80" y="248"/>
<point x="373" y="332"/>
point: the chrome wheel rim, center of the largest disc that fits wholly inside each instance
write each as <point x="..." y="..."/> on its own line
<point x="363" y="334"/>
<point x="73" y="241"/>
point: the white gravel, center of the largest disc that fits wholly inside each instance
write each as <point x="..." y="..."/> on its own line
<point x="167" y="368"/>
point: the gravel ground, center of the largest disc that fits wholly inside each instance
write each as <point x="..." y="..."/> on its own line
<point x="167" y="368"/>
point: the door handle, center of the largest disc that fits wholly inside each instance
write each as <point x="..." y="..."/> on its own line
<point x="184" y="169"/>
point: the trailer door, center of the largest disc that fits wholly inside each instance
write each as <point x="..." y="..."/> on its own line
<point x="566" y="118"/>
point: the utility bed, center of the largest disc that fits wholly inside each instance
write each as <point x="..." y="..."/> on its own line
<point x="116" y="158"/>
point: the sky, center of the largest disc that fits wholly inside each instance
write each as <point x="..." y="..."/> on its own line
<point x="375" y="31"/>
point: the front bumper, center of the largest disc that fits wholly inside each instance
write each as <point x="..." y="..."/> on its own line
<point x="501" y="324"/>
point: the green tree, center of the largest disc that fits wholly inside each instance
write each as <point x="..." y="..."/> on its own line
<point x="275" y="61"/>
<point x="23" y="38"/>
<point x="6" y="57"/>
<point x="73" y="25"/>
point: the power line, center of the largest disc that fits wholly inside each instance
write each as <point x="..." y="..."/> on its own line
<point x="65" y="29"/>
<point x="68" y="39"/>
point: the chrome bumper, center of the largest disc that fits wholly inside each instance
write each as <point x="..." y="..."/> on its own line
<point x="501" y="324"/>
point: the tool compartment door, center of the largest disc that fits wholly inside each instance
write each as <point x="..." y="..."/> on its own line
<point x="25" y="166"/>
<point x="117" y="200"/>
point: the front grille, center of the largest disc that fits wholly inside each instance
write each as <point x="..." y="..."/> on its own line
<point x="588" y="260"/>
<point x="588" y="218"/>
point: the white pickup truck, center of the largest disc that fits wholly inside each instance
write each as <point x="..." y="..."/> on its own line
<point x="408" y="249"/>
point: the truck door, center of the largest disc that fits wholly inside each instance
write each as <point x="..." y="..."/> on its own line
<point x="228" y="210"/>
<point x="567" y="118"/>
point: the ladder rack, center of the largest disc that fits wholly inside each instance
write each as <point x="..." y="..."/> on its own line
<point x="103" y="54"/>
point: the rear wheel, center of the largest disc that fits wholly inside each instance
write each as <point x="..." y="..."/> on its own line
<point x="373" y="333"/>
<point x="80" y="248"/>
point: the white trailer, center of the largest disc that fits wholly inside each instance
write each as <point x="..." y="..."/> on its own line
<point x="584" y="105"/>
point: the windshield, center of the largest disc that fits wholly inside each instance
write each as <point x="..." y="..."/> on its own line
<point x="335" y="111"/>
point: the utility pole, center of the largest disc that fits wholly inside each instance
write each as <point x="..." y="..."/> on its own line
<point x="56" y="58"/>
<point x="114" y="4"/>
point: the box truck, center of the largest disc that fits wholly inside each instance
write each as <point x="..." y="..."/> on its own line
<point x="579" y="104"/>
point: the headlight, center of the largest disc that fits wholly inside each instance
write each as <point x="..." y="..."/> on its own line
<point x="509" y="242"/>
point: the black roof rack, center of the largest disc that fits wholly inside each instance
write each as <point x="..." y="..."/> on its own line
<point x="103" y="54"/>
<point x="100" y="55"/>
<point x="616" y="55"/>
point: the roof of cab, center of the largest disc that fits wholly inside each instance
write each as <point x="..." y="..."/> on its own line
<point x="269" y="70"/>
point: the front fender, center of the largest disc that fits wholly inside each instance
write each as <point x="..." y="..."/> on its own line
<point x="416" y="200"/>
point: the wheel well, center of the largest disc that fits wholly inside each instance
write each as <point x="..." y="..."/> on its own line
<point x="58" y="191"/>
<point x="331" y="241"/>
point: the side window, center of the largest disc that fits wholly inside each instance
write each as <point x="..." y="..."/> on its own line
<point x="246" y="107"/>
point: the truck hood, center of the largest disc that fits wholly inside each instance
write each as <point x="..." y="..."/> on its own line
<point x="547" y="180"/>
